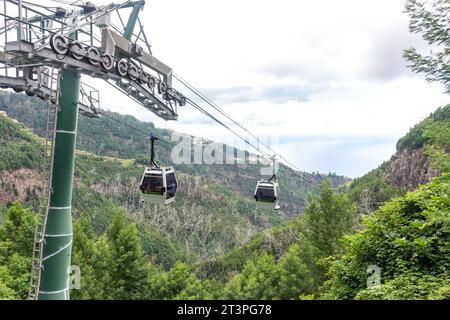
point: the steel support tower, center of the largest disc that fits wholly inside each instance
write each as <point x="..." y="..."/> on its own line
<point x="54" y="282"/>
<point x="82" y="39"/>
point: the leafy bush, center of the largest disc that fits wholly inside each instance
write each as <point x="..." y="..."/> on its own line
<point x="18" y="147"/>
<point x="16" y="237"/>
<point x="408" y="238"/>
<point x="409" y="286"/>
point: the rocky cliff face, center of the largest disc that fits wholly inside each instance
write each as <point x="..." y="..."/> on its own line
<point x="410" y="168"/>
<point x="19" y="184"/>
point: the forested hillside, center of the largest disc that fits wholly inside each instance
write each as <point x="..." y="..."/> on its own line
<point x="413" y="231"/>
<point x="105" y="137"/>
<point x="213" y="244"/>
<point x="214" y="211"/>
<point x="331" y="82"/>
<point x="207" y="220"/>
<point x="408" y="239"/>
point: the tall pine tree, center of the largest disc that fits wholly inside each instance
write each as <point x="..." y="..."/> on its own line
<point x="128" y="267"/>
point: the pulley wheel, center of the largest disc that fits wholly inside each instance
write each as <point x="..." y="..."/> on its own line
<point x="93" y="56"/>
<point x="151" y="82"/>
<point x="107" y="62"/>
<point x="59" y="43"/>
<point x="182" y="101"/>
<point x="162" y="87"/>
<point x="122" y="67"/>
<point x="76" y="49"/>
<point x="170" y="93"/>
<point x="133" y="72"/>
<point x="144" y="77"/>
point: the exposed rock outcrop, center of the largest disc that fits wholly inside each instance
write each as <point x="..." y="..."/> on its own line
<point x="19" y="184"/>
<point x="410" y="168"/>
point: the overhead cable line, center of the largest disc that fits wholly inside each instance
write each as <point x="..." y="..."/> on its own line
<point x="195" y="105"/>
<point x="147" y="134"/>
<point x="67" y="3"/>
<point x="216" y="107"/>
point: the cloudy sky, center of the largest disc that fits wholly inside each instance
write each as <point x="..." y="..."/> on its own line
<point x="325" y="79"/>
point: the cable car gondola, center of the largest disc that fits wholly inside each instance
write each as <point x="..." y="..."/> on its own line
<point x="158" y="184"/>
<point x="267" y="193"/>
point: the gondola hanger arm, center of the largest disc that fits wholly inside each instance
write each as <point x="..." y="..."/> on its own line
<point x="152" y="150"/>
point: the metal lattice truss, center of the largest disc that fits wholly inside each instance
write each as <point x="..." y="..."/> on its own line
<point x="84" y="37"/>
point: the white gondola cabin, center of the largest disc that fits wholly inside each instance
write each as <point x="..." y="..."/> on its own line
<point x="266" y="195"/>
<point x="159" y="185"/>
<point x="266" y="191"/>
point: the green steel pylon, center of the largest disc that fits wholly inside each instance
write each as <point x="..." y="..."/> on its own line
<point x="54" y="281"/>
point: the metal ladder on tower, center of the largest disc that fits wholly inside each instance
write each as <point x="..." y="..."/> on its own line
<point x="51" y="79"/>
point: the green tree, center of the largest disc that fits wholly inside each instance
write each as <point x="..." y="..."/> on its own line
<point x="438" y="150"/>
<point x="430" y="20"/>
<point x="128" y="267"/>
<point x="408" y="239"/>
<point x="101" y="264"/>
<point x="16" y="234"/>
<point x="201" y="290"/>
<point x="259" y="279"/>
<point x="178" y="282"/>
<point x="85" y="255"/>
<point x="409" y="286"/>
<point x="6" y="293"/>
<point x="16" y="241"/>
<point x="329" y="216"/>
<point x="295" y="278"/>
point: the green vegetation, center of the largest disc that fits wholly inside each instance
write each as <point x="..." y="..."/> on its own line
<point x="428" y="20"/>
<point x="213" y="243"/>
<point x="16" y="235"/>
<point x="438" y="133"/>
<point x="432" y="135"/>
<point x="409" y="240"/>
<point x="107" y="138"/>
<point x="372" y="190"/>
<point x="18" y="148"/>
<point x="434" y="129"/>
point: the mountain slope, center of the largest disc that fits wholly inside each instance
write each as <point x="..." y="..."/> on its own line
<point x="415" y="162"/>
<point x="214" y="211"/>
<point x="206" y="220"/>
<point x="105" y="137"/>
<point x="367" y="193"/>
<point x="231" y="250"/>
<point x="408" y="242"/>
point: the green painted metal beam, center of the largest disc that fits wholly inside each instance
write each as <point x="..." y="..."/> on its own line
<point x="129" y="28"/>
<point x="54" y="282"/>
